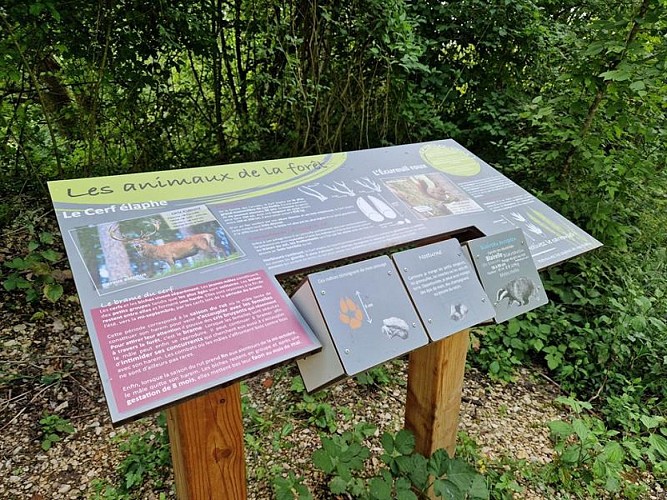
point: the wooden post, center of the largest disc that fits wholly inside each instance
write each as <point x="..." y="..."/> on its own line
<point x="206" y="435"/>
<point x="435" y="383"/>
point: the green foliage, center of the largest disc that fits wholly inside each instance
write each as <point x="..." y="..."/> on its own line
<point x="297" y="385"/>
<point x="590" y="457"/>
<point x="34" y="273"/>
<point x="54" y="427"/>
<point x="101" y="490"/>
<point x="146" y="457"/>
<point x="377" y="376"/>
<point x="291" y="488"/>
<point x="586" y="455"/>
<point x="407" y="475"/>
<point x="319" y="412"/>
<point x="339" y="457"/>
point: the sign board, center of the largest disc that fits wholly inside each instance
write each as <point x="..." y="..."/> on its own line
<point x="177" y="307"/>
<point x="444" y="288"/>
<point x="154" y="235"/>
<point x="508" y="273"/>
<point x="363" y="316"/>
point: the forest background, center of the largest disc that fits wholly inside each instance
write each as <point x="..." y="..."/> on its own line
<point x="567" y="98"/>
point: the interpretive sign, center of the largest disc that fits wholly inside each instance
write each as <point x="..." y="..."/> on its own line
<point x="508" y="273"/>
<point x="179" y="342"/>
<point x="363" y="316"/>
<point x="136" y="238"/>
<point x="444" y="288"/>
<point x="169" y="319"/>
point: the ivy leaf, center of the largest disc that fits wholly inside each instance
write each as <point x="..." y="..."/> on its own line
<point x="14" y="282"/>
<point x="543" y="328"/>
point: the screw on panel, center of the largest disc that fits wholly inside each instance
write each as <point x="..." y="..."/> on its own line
<point x="483" y="299"/>
<point x="405" y="269"/>
<point x="389" y="273"/>
<point x="347" y="351"/>
<point x="430" y="320"/>
<point x="414" y="325"/>
<point x="323" y="292"/>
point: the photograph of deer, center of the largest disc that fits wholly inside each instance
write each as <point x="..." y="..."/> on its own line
<point x="122" y="254"/>
<point x="431" y="195"/>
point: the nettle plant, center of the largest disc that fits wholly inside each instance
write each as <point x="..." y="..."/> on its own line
<point x="405" y="475"/>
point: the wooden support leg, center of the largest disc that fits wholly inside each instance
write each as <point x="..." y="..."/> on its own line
<point x="206" y="435"/>
<point x="435" y="383"/>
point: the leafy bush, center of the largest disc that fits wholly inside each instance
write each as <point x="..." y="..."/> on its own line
<point x="146" y="455"/>
<point x="34" y="274"/>
<point x="406" y="475"/>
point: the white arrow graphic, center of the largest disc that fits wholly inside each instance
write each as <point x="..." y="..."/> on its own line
<point x="368" y="316"/>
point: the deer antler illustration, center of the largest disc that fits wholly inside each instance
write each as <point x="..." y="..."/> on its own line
<point x="340" y="187"/>
<point x="369" y="184"/>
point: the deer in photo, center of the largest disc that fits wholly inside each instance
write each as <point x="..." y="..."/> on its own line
<point x="171" y="251"/>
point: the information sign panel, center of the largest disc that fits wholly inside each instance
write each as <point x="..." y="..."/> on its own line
<point x="155" y="234"/>
<point x="444" y="288"/>
<point x="367" y="315"/>
<point x="508" y="273"/>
